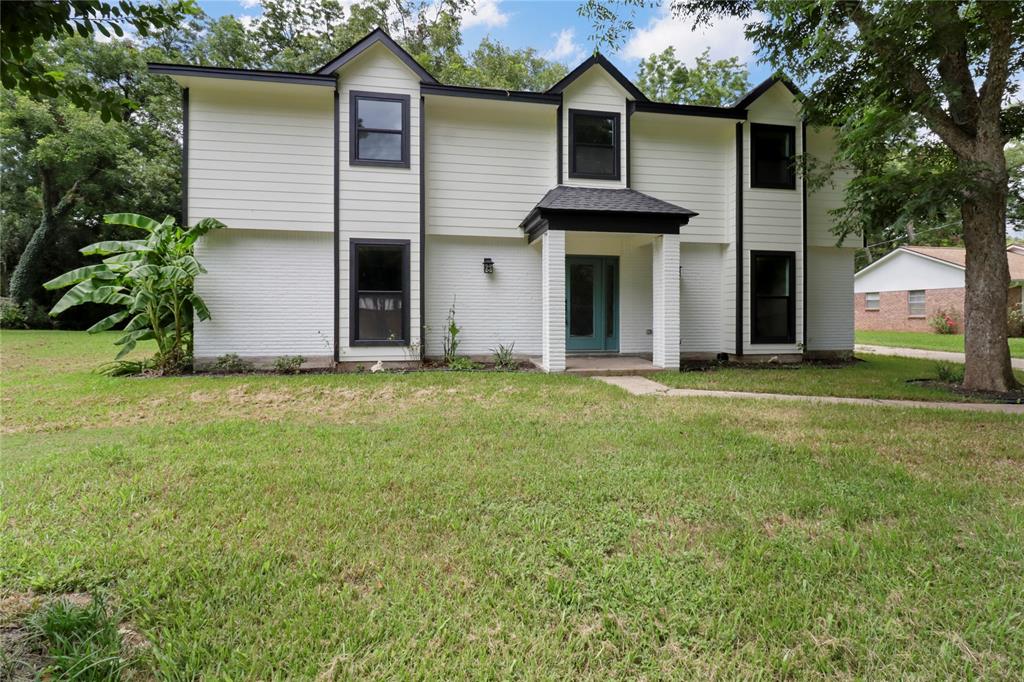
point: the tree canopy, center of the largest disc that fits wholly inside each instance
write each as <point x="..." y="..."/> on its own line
<point x="664" y="78"/>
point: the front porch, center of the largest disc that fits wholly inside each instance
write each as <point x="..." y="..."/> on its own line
<point x="604" y="365"/>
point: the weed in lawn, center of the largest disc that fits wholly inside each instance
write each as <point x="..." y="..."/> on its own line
<point x="949" y="372"/>
<point x="82" y="640"/>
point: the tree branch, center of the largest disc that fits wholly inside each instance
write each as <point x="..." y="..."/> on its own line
<point x="955" y="78"/>
<point x="997" y="71"/>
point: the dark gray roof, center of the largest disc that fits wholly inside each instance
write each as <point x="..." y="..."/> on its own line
<point x="607" y="200"/>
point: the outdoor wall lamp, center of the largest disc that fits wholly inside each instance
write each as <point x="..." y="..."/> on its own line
<point x="488" y="266"/>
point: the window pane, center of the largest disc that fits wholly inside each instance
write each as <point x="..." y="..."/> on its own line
<point x="915" y="300"/>
<point x="380" y="316"/>
<point x="773" y="151"/>
<point x="871" y="301"/>
<point x="380" y="146"/>
<point x="380" y="268"/>
<point x="594" y="129"/>
<point x="595" y="160"/>
<point x="771" y="320"/>
<point x="581" y="299"/>
<point x="380" y="115"/>
<point x="771" y="275"/>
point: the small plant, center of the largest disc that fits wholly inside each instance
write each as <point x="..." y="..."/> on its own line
<point x="83" y="642"/>
<point x="949" y="372"/>
<point x="504" y="358"/>
<point x="12" y="315"/>
<point x="289" y="364"/>
<point x="232" y="364"/>
<point x="1015" y="320"/>
<point x="462" y="363"/>
<point x="451" y="337"/>
<point x="945" y="322"/>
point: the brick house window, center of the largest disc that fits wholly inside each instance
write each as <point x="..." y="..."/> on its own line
<point x="871" y="301"/>
<point x="915" y="303"/>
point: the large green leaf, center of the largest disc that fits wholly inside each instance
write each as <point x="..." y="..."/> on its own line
<point x="98" y="271"/>
<point x="107" y="322"/>
<point x="131" y="220"/>
<point x="89" y="292"/>
<point x="112" y="247"/>
<point x="199" y="306"/>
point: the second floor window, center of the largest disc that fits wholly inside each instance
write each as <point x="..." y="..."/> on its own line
<point x="594" y="145"/>
<point x="772" y="156"/>
<point x="379" y="133"/>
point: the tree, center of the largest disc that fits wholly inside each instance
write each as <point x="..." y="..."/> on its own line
<point x="875" y="68"/>
<point x="24" y="26"/>
<point x="494" y="65"/>
<point x="664" y="78"/>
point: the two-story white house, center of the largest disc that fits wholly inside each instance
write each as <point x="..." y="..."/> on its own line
<point x="364" y="200"/>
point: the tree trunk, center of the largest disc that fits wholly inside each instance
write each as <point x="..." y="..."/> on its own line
<point x="25" y="278"/>
<point x="987" y="278"/>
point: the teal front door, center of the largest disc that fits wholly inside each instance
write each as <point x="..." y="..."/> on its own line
<point x="592" y="303"/>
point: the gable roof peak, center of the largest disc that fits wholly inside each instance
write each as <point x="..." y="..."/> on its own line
<point x="766" y="85"/>
<point x="598" y="59"/>
<point x="377" y="35"/>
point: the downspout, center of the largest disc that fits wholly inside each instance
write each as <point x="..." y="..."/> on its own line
<point x="558" y="155"/>
<point x="803" y="215"/>
<point x="337" y="225"/>
<point x="739" y="238"/>
<point x="423" y="227"/>
<point x="184" y="157"/>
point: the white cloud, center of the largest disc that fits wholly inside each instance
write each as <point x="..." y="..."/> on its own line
<point x="247" y="20"/>
<point x="249" y="3"/>
<point x="565" y="48"/>
<point x="724" y="37"/>
<point x="488" y="14"/>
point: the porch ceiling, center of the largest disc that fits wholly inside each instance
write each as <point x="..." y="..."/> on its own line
<point x="596" y="209"/>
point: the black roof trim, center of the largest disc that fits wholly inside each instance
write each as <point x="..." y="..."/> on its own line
<point x="763" y="87"/>
<point x="599" y="59"/>
<point x="240" y="74"/>
<point x="691" y="110"/>
<point x="490" y="93"/>
<point x="566" y="207"/>
<point x="377" y="35"/>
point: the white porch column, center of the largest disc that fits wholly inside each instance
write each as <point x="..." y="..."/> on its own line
<point x="665" y="271"/>
<point x="552" y="248"/>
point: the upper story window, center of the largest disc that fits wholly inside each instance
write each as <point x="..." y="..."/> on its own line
<point x="772" y="156"/>
<point x="594" y="144"/>
<point x="379" y="132"/>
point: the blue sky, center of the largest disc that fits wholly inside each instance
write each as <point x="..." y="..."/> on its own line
<point x="553" y="28"/>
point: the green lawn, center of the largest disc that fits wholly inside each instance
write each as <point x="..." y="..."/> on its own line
<point x="872" y="376"/>
<point x="927" y="341"/>
<point x="453" y="525"/>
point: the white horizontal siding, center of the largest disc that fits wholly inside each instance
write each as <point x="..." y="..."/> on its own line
<point x="686" y="160"/>
<point x="829" y="298"/>
<point x="499" y="308"/>
<point x="595" y="90"/>
<point x="379" y="202"/>
<point x="700" y="300"/>
<point x="260" y="155"/>
<point x="821" y="147"/>
<point x="269" y="294"/>
<point x="772" y="218"/>
<point x="904" y="271"/>
<point x="487" y="164"/>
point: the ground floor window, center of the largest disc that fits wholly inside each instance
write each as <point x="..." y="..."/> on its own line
<point x="915" y="303"/>
<point x="773" y="296"/>
<point x="379" y="311"/>
<point x="871" y="301"/>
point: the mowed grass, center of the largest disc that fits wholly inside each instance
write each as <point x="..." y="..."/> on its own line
<point x="453" y="525"/>
<point x="953" y="343"/>
<point x="870" y="376"/>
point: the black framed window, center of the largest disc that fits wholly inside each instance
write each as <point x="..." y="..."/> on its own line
<point x="379" y="284"/>
<point x="379" y="130"/>
<point x="773" y="296"/>
<point x="594" y="144"/>
<point x="772" y="156"/>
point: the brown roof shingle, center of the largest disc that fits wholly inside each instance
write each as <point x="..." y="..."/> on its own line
<point x="958" y="256"/>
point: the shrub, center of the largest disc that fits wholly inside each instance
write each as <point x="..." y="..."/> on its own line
<point x="949" y="372"/>
<point x="450" y="343"/>
<point x="150" y="280"/>
<point x="462" y="363"/>
<point x="232" y="364"/>
<point x="945" y="322"/>
<point x="12" y="316"/>
<point x="504" y="358"/>
<point x="1015" y="320"/>
<point x="289" y="364"/>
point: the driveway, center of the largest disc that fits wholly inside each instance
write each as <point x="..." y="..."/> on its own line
<point x="1018" y="363"/>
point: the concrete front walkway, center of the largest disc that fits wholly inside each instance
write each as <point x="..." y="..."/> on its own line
<point x="1018" y="363"/>
<point x="644" y="386"/>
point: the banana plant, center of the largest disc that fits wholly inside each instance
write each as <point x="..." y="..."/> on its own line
<point x="151" y="280"/>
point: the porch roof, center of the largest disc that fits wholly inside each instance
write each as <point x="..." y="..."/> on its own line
<point x="599" y="209"/>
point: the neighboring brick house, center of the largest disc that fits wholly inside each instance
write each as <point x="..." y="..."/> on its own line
<point x="902" y="290"/>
